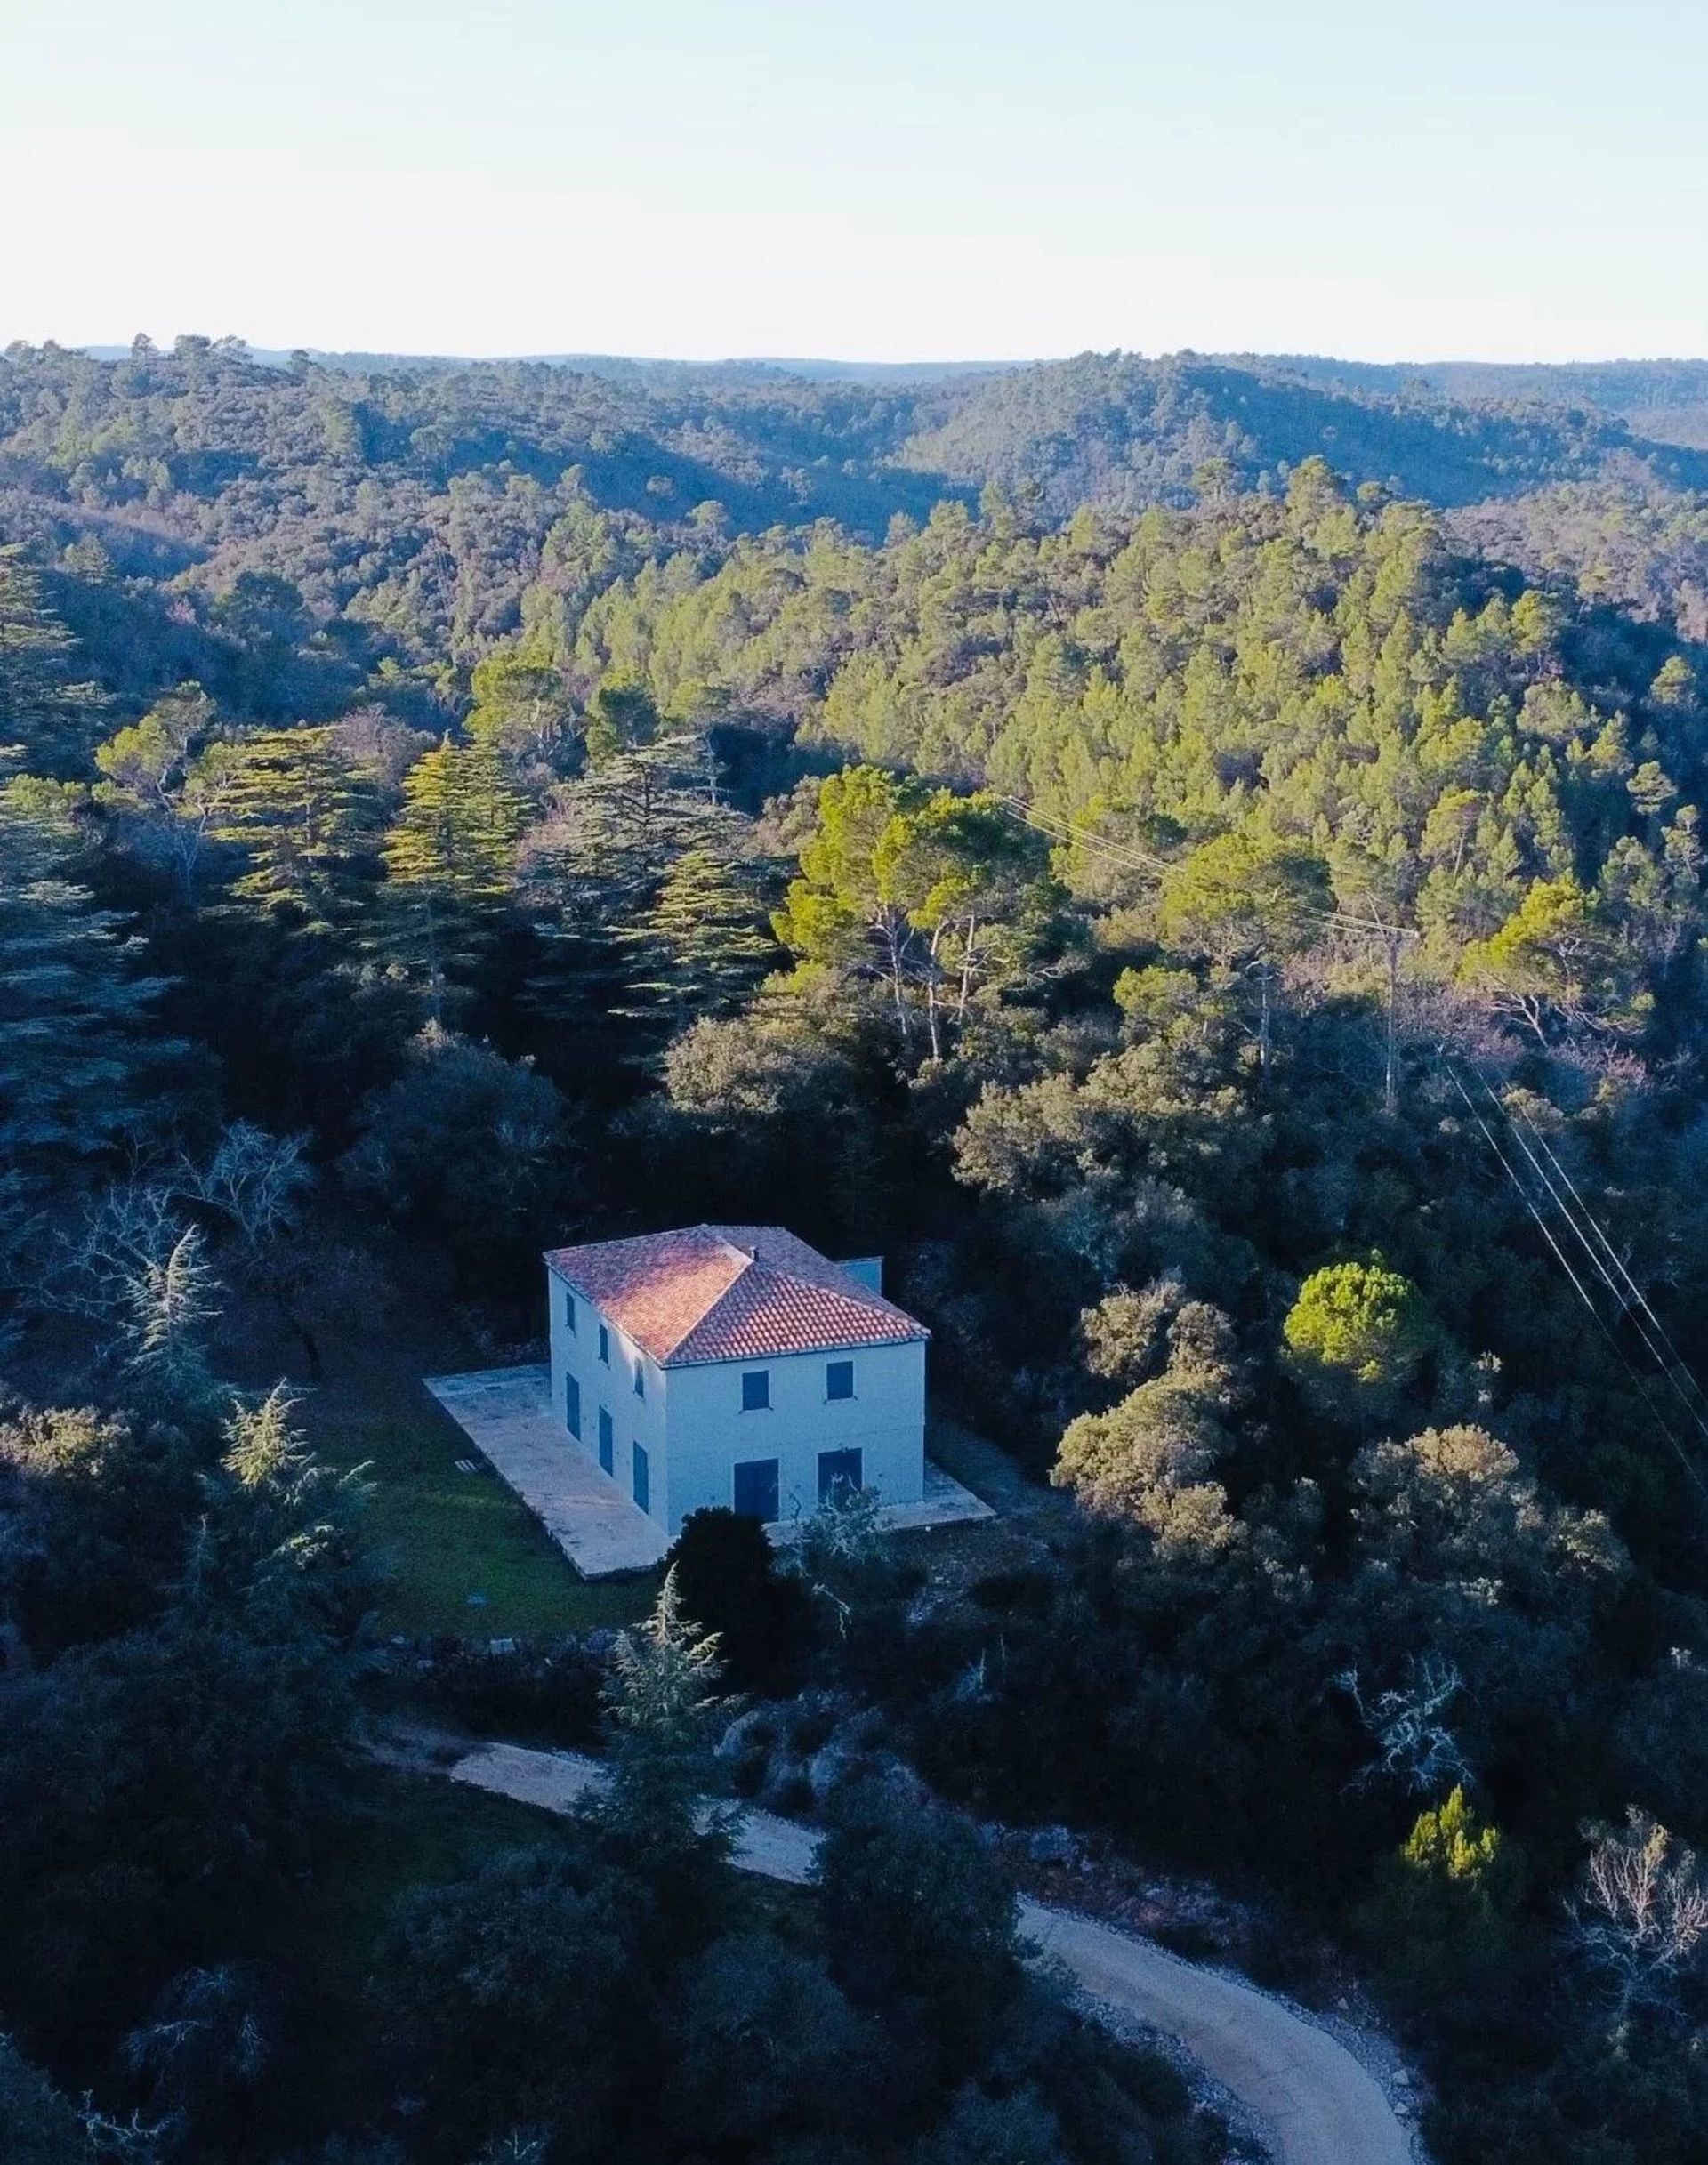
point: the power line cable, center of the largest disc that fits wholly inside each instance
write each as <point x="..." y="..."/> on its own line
<point x="1133" y="859"/>
<point x="1636" y="1294"/>
<point x="1650" y="1347"/>
<point x="1605" y="1329"/>
<point x="1626" y="1308"/>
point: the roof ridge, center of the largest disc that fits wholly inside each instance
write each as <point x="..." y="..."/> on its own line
<point x="723" y="1291"/>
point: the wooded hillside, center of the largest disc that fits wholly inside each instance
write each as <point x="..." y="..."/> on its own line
<point x="1234" y="944"/>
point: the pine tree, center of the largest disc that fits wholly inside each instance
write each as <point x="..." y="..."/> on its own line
<point x="302" y="817"/>
<point x="172" y="1303"/>
<point x="654" y="1817"/>
<point x="602" y="855"/>
<point x="660" y="1703"/>
<point x="698" y="948"/>
<point x="42" y="714"/>
<point x="73" y="1003"/>
<point x="1441" y="1919"/>
<point x="521" y="705"/>
<point x="449" y="862"/>
<point x="283" y="1545"/>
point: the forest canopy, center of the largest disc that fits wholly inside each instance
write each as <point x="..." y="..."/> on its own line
<point x="1218" y="906"/>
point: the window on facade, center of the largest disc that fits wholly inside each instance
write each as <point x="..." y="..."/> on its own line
<point x="572" y="1405"/>
<point x="640" y="1380"/>
<point x="568" y="1309"/>
<point x="755" y="1389"/>
<point x="642" y="1478"/>
<point x="607" y="1441"/>
<point x="753" y="1490"/>
<point x="839" y="1378"/>
<point x="604" y="1345"/>
<point x="840" y="1475"/>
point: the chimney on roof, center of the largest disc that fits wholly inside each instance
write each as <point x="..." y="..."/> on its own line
<point x="867" y="1268"/>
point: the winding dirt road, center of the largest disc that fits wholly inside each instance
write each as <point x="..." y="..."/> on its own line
<point x="1314" y="2104"/>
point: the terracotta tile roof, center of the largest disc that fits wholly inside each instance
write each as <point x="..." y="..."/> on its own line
<point x="730" y="1293"/>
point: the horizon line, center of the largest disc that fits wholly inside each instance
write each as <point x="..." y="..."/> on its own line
<point x="116" y="349"/>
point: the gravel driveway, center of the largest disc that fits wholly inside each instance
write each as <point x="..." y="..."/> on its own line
<point x="1313" y="2101"/>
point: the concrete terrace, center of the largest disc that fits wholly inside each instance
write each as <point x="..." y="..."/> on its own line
<point x="507" y="1414"/>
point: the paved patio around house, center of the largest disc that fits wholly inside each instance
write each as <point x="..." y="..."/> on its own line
<point x="945" y="1503"/>
<point x="508" y="1415"/>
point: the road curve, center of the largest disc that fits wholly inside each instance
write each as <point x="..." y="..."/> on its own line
<point x="1314" y="2104"/>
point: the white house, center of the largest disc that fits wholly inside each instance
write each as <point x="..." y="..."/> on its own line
<point x="735" y="1365"/>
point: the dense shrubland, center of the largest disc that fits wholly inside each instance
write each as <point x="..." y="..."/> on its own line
<point x="1205" y="1119"/>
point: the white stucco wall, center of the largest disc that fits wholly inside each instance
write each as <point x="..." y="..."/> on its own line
<point x="633" y="1420"/>
<point x="694" y="1432"/>
<point x="884" y="1421"/>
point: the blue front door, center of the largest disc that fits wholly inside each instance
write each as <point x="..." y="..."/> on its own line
<point x="754" y="1490"/>
<point x="642" y="1478"/>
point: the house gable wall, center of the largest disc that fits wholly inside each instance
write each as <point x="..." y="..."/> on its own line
<point x="884" y="1421"/>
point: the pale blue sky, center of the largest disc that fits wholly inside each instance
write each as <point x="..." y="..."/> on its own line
<point x="1510" y="180"/>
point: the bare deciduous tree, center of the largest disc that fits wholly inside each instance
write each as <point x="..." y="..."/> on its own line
<point x="254" y="1178"/>
<point x="519" y="2146"/>
<point x="1640" y="1918"/>
<point x="1415" y="1747"/>
<point x="128" y="1229"/>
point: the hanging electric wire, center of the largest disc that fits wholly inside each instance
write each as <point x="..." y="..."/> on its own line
<point x="1582" y="1291"/>
<point x="1634" y="1294"/>
<point x="1649" y="1340"/>
<point x="1595" y="1243"/>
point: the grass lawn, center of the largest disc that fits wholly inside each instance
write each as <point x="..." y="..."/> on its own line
<point x="463" y="1553"/>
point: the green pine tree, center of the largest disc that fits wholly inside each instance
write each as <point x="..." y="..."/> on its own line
<point x="73" y="1001"/>
<point x="303" y="817"/>
<point x="654" y="1816"/>
<point x="521" y="705"/>
<point x="606" y="850"/>
<point x="1440" y="1922"/>
<point x="698" y="946"/>
<point x="42" y="714"/>
<point x="449" y="863"/>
